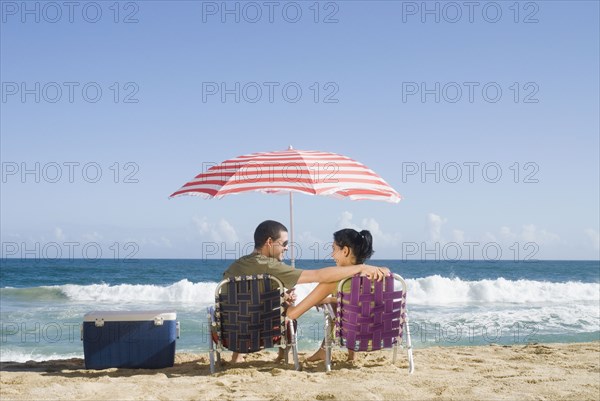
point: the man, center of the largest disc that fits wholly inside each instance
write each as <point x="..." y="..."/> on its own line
<point x="270" y="243"/>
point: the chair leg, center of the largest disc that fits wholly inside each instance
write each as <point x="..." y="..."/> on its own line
<point x="411" y="364"/>
<point x="328" y="313"/>
<point x="212" y="359"/>
<point x="294" y="344"/>
<point x="211" y="346"/>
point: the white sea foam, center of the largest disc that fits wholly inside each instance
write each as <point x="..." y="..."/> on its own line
<point x="437" y="290"/>
<point x="21" y="355"/>
<point x="182" y="291"/>
<point x="431" y="290"/>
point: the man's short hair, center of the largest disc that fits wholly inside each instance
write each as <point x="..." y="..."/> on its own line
<point x="265" y="230"/>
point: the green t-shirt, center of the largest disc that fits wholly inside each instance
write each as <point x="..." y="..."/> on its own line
<point x="256" y="263"/>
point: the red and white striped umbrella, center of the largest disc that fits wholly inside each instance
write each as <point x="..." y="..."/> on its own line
<point x="306" y="171"/>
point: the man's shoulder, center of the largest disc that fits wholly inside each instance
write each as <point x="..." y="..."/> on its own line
<point x="248" y="264"/>
<point x="259" y="264"/>
<point x="251" y="259"/>
<point x="275" y="264"/>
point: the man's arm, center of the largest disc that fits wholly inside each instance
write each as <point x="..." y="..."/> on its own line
<point x="337" y="273"/>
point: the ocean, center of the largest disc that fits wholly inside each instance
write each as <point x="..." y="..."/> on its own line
<point x="42" y="302"/>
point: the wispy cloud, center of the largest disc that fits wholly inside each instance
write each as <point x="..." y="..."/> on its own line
<point x="59" y="235"/>
<point x="434" y="226"/>
<point x="345" y="221"/>
<point x="594" y="237"/>
<point x="92" y="237"/>
<point x="458" y="236"/>
<point x="221" y="231"/>
<point x="380" y="237"/>
<point x="529" y="233"/>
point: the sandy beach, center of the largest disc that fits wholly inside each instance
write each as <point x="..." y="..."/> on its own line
<point x="493" y="372"/>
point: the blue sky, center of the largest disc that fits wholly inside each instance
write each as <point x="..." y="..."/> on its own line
<point x="504" y="87"/>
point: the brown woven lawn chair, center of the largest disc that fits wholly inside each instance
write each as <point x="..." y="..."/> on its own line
<point x="249" y="315"/>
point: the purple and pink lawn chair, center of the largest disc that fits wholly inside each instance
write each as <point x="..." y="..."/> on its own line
<point x="370" y="316"/>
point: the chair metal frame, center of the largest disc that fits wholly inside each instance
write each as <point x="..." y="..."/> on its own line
<point x="334" y="320"/>
<point x="215" y="322"/>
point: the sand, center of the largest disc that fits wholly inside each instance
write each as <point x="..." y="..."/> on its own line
<point x="492" y="372"/>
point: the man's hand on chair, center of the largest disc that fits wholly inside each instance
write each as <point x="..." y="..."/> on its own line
<point x="374" y="272"/>
<point x="290" y="297"/>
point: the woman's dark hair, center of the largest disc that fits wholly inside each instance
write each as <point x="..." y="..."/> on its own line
<point x="266" y="229"/>
<point x="361" y="243"/>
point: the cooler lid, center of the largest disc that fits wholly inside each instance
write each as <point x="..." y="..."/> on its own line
<point x="129" y="316"/>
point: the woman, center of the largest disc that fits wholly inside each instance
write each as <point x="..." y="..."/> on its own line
<point x="350" y="247"/>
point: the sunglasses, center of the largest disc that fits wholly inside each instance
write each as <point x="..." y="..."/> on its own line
<point x="285" y="244"/>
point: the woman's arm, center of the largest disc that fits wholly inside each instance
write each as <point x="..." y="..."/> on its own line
<point x="315" y="297"/>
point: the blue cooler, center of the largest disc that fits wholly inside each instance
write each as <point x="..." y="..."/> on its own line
<point x="129" y="339"/>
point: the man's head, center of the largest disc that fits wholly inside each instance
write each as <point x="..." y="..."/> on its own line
<point x="271" y="239"/>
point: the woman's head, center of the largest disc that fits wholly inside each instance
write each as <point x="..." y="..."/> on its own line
<point x="351" y="247"/>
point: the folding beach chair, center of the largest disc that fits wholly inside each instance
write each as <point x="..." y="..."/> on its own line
<point x="370" y="316"/>
<point x="249" y="316"/>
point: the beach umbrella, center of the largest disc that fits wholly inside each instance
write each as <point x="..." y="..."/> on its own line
<point x="305" y="171"/>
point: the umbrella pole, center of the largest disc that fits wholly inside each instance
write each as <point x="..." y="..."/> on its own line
<point x="292" y="245"/>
